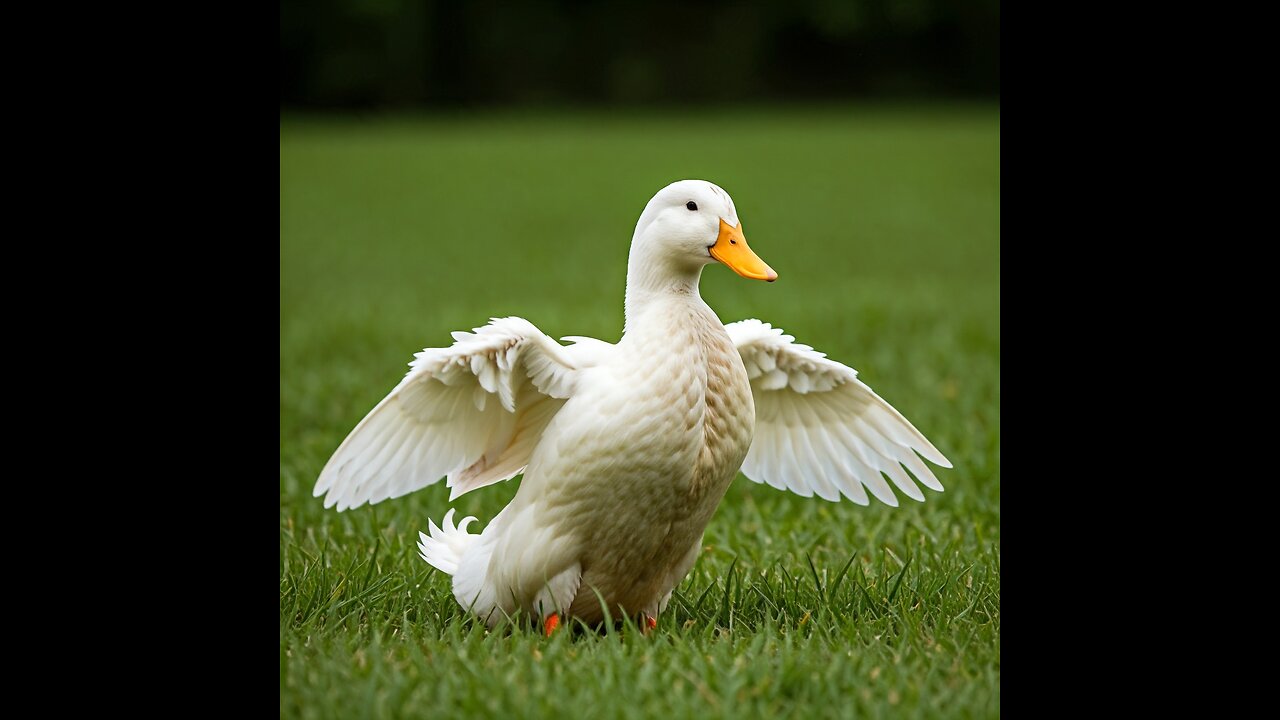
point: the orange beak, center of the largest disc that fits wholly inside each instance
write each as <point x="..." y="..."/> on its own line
<point x="731" y="249"/>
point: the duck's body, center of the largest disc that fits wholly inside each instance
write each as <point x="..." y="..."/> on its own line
<point x="627" y="475"/>
<point x="626" y="449"/>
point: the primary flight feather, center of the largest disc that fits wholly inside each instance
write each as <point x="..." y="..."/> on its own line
<point x="626" y="448"/>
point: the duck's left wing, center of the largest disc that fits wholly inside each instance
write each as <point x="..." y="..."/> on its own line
<point x="820" y="430"/>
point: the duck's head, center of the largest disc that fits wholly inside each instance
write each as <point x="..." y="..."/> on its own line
<point x="691" y="223"/>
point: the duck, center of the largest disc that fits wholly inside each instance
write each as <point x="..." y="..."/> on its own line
<point x="625" y="449"/>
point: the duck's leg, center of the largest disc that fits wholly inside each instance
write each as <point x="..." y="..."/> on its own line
<point x="556" y="597"/>
<point x="650" y="616"/>
<point x="550" y="623"/>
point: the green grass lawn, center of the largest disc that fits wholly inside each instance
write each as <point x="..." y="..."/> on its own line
<point x="883" y="225"/>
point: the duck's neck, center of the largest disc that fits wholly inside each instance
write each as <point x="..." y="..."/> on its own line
<point x="653" y="279"/>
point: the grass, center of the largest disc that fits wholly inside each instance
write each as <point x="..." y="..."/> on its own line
<point x="884" y="227"/>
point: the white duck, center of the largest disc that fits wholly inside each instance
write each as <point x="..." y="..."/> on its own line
<point x="626" y="449"/>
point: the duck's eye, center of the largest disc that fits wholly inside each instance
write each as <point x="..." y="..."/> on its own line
<point x="691" y="205"/>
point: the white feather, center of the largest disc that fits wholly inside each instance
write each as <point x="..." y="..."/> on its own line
<point x="446" y="544"/>
<point x="820" y="430"/>
<point x="438" y="420"/>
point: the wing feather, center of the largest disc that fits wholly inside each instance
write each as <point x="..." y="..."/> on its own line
<point x="822" y="431"/>
<point x="801" y="433"/>
<point x="442" y="419"/>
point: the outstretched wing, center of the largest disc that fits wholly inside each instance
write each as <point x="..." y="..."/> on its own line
<point x="473" y="411"/>
<point x="820" y="430"/>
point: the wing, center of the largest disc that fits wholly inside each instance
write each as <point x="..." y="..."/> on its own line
<point x="473" y="411"/>
<point x="820" y="430"/>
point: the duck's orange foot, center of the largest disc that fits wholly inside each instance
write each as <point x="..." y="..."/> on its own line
<point x="550" y="623"/>
<point x="649" y="623"/>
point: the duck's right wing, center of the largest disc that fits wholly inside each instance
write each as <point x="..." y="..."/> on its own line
<point x="473" y="411"/>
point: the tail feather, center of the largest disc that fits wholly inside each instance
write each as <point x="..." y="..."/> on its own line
<point x="444" y="546"/>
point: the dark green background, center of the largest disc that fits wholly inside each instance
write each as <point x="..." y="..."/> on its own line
<point x="396" y="54"/>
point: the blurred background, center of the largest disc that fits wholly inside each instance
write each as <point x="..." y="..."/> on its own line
<point x="442" y="163"/>
<point x="412" y="54"/>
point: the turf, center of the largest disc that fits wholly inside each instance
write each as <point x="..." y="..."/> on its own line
<point x="883" y="224"/>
